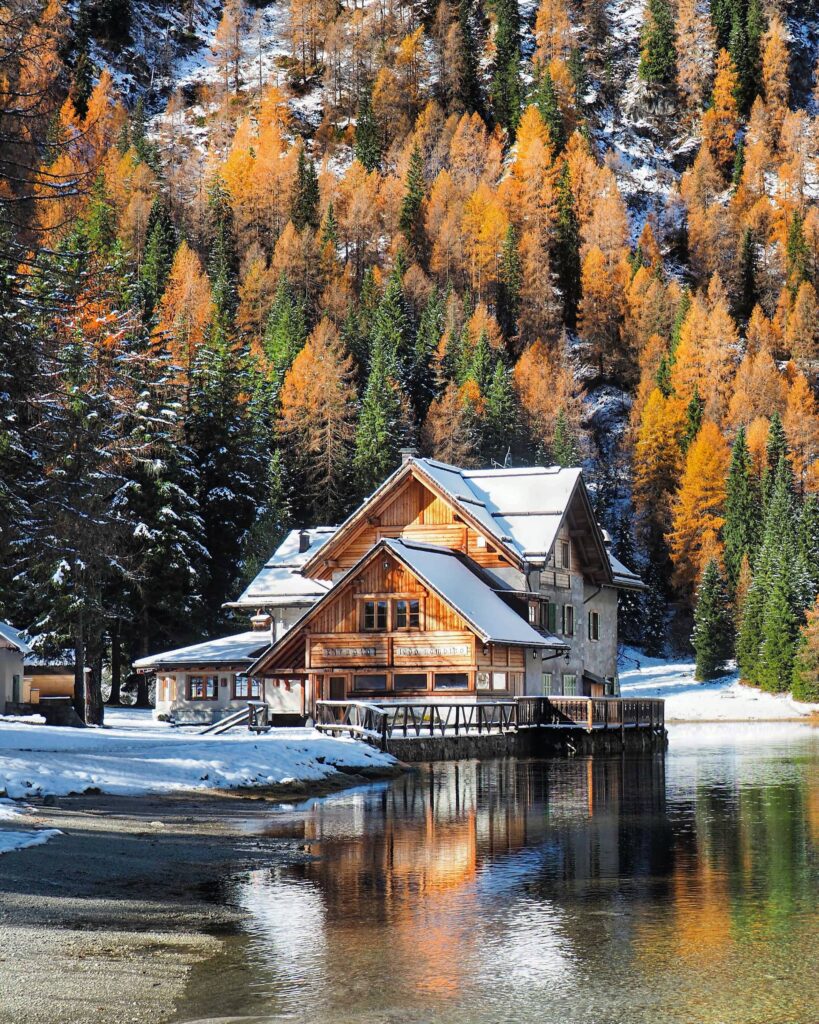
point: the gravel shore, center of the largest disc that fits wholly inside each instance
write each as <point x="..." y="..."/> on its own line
<point x="104" y="924"/>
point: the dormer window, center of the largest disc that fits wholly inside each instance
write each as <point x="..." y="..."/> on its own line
<point x="564" y="554"/>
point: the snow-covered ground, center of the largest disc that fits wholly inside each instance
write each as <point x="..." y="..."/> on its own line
<point x="722" y="700"/>
<point x="137" y="755"/>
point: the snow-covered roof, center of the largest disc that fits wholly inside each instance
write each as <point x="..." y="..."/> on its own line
<point x="12" y="639"/>
<point x="280" y="581"/>
<point x="240" y="649"/>
<point x="523" y="508"/>
<point x="464" y="588"/>
<point x="623" y="576"/>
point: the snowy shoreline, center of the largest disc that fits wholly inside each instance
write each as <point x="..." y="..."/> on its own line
<point x="723" y="700"/>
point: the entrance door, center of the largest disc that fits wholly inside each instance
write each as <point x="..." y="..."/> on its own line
<point x="15" y="690"/>
<point x="338" y="687"/>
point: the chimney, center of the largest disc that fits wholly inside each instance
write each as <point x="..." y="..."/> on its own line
<point x="304" y="541"/>
<point x="260" y="621"/>
<point x="407" y="454"/>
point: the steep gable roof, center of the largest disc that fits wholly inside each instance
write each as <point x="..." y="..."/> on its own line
<point x="239" y="649"/>
<point x="519" y="510"/>
<point x="281" y="581"/>
<point x="456" y="580"/>
<point x="12" y="639"/>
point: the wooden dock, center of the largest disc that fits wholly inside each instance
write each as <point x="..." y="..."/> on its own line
<point x="378" y="724"/>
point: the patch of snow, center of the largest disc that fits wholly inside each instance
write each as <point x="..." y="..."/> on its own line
<point x="10" y="841"/>
<point x="148" y="757"/>
<point x="720" y="700"/>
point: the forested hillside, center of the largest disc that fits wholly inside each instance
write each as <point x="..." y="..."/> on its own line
<point x="250" y="252"/>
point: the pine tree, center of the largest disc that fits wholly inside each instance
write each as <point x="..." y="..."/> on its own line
<point x="693" y="419"/>
<point x="741" y="57"/>
<point x="304" y="202"/>
<point x="712" y="636"/>
<point x="658" y="54"/>
<point x="779" y="631"/>
<point x="273" y="519"/>
<point x="565" y="450"/>
<point x="747" y="297"/>
<point x="367" y="147"/>
<point x="505" y="87"/>
<point x="420" y="378"/>
<point x="509" y="283"/>
<point x="749" y="639"/>
<point x="223" y="257"/>
<point x="285" y="331"/>
<point x="158" y="258"/>
<point x="567" y="245"/>
<point x="797" y="254"/>
<point x="653" y="613"/>
<point x="410" y="222"/>
<point x="391" y="329"/>
<point x="776" y="454"/>
<point x="741" y="529"/>
<point x="469" y="91"/>
<point x="380" y="433"/>
<point x="500" y="424"/>
<point x="545" y="99"/>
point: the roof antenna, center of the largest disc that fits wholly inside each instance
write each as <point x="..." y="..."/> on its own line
<point x="507" y="461"/>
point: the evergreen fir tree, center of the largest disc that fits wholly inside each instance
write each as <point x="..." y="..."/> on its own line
<point x="738" y="49"/>
<point x="329" y="229"/>
<point x="156" y="263"/>
<point x="693" y="419"/>
<point x="712" y="637"/>
<point x="653" y="614"/>
<point x="410" y="222"/>
<point x="380" y="433"/>
<point x="391" y="330"/>
<point x="430" y="326"/>
<point x="739" y="164"/>
<point x="662" y="378"/>
<point x="285" y="331"/>
<point x="577" y="69"/>
<point x="509" y="283"/>
<point x="741" y="529"/>
<point x="805" y="682"/>
<point x="565" y="449"/>
<point x="481" y="363"/>
<point x="223" y="257"/>
<point x="367" y="146"/>
<point x="756" y="25"/>
<point x="499" y="428"/>
<point x="567" y="245"/>
<point x="749" y="639"/>
<point x="629" y="626"/>
<point x="776" y="454"/>
<point x="778" y="648"/>
<point x="469" y="92"/>
<point x="808" y="547"/>
<point x="546" y="101"/>
<point x="658" y="55"/>
<point x="505" y="87"/>
<point x="273" y="520"/>
<point x="304" y="203"/>
<point x="797" y="253"/>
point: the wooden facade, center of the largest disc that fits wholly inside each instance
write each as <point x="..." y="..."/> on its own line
<point x="347" y="653"/>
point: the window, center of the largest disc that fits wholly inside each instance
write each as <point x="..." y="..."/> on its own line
<point x="569" y="685"/>
<point x="565" y="554"/>
<point x="482" y="681"/>
<point x="451" y="681"/>
<point x="167" y="688"/>
<point x="407" y="614"/>
<point x="594" y="625"/>
<point x="409" y="681"/>
<point x="499" y="681"/>
<point x="203" y="687"/>
<point x="246" y="688"/>
<point x="546" y="683"/>
<point x="548" y="611"/>
<point x="370" y="682"/>
<point x="533" y="614"/>
<point x="568" y="620"/>
<point x="375" y="615"/>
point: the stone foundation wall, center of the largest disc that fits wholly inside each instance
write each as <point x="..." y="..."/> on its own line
<point x="531" y="743"/>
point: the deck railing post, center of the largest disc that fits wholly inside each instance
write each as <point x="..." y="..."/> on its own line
<point x="591" y="714"/>
<point x="457" y="718"/>
<point x="384" y="731"/>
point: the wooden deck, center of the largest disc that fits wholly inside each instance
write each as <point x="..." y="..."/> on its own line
<point x="377" y="724"/>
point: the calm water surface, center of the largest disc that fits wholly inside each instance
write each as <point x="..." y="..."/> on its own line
<point x="639" y="890"/>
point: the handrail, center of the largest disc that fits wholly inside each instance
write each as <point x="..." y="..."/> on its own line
<point x="256" y="713"/>
<point x="378" y="723"/>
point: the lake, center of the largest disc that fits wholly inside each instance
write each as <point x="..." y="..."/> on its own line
<point x="644" y="889"/>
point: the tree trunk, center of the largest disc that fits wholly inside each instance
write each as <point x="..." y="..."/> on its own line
<point x="115" y="696"/>
<point x="143" y="699"/>
<point x="93" y="696"/>
<point x="79" y="664"/>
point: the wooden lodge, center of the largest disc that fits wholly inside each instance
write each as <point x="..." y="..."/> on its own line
<point x="460" y="585"/>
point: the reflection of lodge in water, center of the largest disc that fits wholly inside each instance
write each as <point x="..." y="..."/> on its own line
<point x="441" y="831"/>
